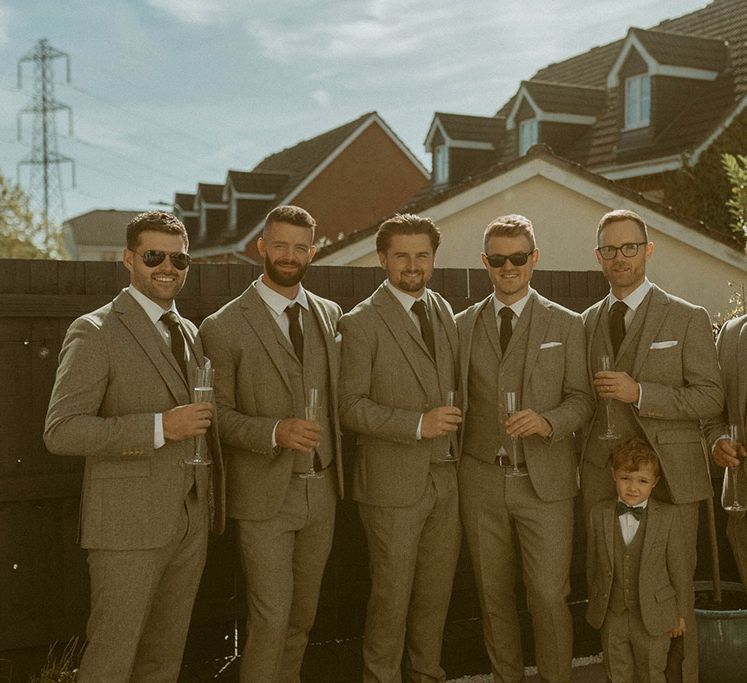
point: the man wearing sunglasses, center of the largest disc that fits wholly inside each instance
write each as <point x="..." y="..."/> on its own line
<point x="664" y="379"/>
<point x="517" y="341"/>
<point x="122" y="399"/>
<point x="270" y="347"/>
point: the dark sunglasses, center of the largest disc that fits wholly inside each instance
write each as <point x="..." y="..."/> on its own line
<point x="153" y="258"/>
<point x="518" y="259"/>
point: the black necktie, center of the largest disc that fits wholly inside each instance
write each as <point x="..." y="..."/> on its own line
<point x="294" y="329"/>
<point x="171" y="320"/>
<point x="426" y="330"/>
<point x="637" y="512"/>
<point x="617" y="324"/>
<point x="507" y="329"/>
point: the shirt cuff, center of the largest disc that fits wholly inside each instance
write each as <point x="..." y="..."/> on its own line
<point x="640" y="396"/>
<point x="274" y="440"/>
<point x="158" y="438"/>
<point x="418" y="435"/>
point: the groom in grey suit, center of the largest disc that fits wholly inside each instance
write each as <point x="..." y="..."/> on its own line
<point x="122" y="400"/>
<point x="270" y="346"/>
<point x="732" y="353"/>
<point x="399" y="361"/>
<point x="664" y="380"/>
<point x="516" y="340"/>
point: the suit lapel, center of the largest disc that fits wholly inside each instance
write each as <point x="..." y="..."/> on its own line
<point x="610" y="519"/>
<point x="465" y="347"/>
<point x="654" y="315"/>
<point x="490" y="323"/>
<point x="259" y="320"/>
<point x="448" y="325"/>
<point x="594" y="324"/>
<point x="539" y="319"/>
<point x="652" y="528"/>
<point x="144" y="332"/>
<point x="401" y="327"/>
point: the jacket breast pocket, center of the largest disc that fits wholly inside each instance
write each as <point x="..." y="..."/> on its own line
<point x="121" y="469"/>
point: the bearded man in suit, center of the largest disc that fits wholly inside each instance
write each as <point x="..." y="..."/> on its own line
<point x="516" y="340"/>
<point x="732" y="353"/>
<point x="399" y="361"/>
<point x="664" y="379"/>
<point x="270" y="346"/>
<point x="122" y="400"/>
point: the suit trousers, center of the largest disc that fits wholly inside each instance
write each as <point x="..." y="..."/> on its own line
<point x="413" y="552"/>
<point x="283" y="559"/>
<point x="683" y="652"/>
<point x="497" y="513"/>
<point x="141" y="604"/>
<point x="631" y="655"/>
<point x="736" y="531"/>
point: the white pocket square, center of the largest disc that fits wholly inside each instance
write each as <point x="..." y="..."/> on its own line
<point x="550" y="345"/>
<point x="338" y="337"/>
<point x="664" y="344"/>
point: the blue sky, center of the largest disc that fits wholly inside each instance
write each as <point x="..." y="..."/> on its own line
<point x="169" y="93"/>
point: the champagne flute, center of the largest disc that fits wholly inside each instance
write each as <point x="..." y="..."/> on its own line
<point x="313" y="408"/>
<point x="450" y="401"/>
<point x="202" y="390"/>
<point x="512" y="406"/>
<point x="729" y="495"/>
<point x="605" y="365"/>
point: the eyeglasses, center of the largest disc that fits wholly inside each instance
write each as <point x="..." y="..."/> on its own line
<point x="518" y="259"/>
<point x="153" y="258"/>
<point x="630" y="249"/>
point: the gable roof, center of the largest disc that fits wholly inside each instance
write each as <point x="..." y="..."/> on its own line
<point x="284" y="175"/>
<point x="710" y="39"/>
<point x="465" y="128"/>
<point x="568" y="173"/>
<point x="100" y="227"/>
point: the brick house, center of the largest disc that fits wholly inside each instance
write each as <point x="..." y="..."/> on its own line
<point x="347" y="178"/>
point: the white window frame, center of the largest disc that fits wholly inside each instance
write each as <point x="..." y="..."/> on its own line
<point x="637" y="102"/>
<point x="528" y="135"/>
<point x="440" y="164"/>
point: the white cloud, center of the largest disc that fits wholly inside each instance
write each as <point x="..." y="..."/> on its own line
<point x="321" y="97"/>
<point x="6" y="15"/>
<point x="191" y="11"/>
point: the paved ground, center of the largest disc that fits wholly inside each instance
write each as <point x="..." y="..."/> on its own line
<point x="585" y="670"/>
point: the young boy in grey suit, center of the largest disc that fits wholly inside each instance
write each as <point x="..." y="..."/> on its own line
<point x="636" y="570"/>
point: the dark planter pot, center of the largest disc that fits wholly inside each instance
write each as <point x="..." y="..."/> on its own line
<point x="722" y="639"/>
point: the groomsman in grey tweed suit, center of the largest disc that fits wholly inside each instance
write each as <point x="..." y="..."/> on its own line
<point x="122" y="400"/>
<point x="516" y="340"/>
<point x="664" y="380"/>
<point x="270" y="346"/>
<point x="732" y="353"/>
<point x="399" y="361"/>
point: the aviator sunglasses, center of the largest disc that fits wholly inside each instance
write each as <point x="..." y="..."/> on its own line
<point x="518" y="259"/>
<point x="153" y="258"/>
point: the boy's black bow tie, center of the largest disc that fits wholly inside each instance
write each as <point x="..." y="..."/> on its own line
<point x="637" y="512"/>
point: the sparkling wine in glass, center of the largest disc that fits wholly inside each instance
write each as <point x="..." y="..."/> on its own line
<point x="202" y="391"/>
<point x="605" y="364"/>
<point x="450" y="401"/>
<point x="729" y="494"/>
<point x="313" y="410"/>
<point x="511" y="401"/>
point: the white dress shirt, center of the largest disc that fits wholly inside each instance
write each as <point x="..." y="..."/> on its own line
<point x="628" y="523"/>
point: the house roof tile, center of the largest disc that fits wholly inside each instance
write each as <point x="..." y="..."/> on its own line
<point x="464" y="127"/>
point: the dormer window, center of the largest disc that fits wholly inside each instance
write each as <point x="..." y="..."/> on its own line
<point x="440" y="164"/>
<point x="637" y="101"/>
<point x="528" y="135"/>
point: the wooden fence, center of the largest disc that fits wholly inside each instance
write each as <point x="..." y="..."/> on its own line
<point x="43" y="573"/>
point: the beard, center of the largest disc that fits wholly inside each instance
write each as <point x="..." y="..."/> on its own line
<point x="412" y="283"/>
<point x="285" y="279"/>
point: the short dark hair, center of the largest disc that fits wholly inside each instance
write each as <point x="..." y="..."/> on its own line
<point x="621" y="215"/>
<point x="634" y="453"/>
<point x="406" y="224"/>
<point x="510" y="225"/>
<point x="156" y="221"/>
<point x="294" y="215"/>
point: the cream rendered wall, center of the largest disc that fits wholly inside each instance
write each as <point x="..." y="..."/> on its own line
<point x="565" y="227"/>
